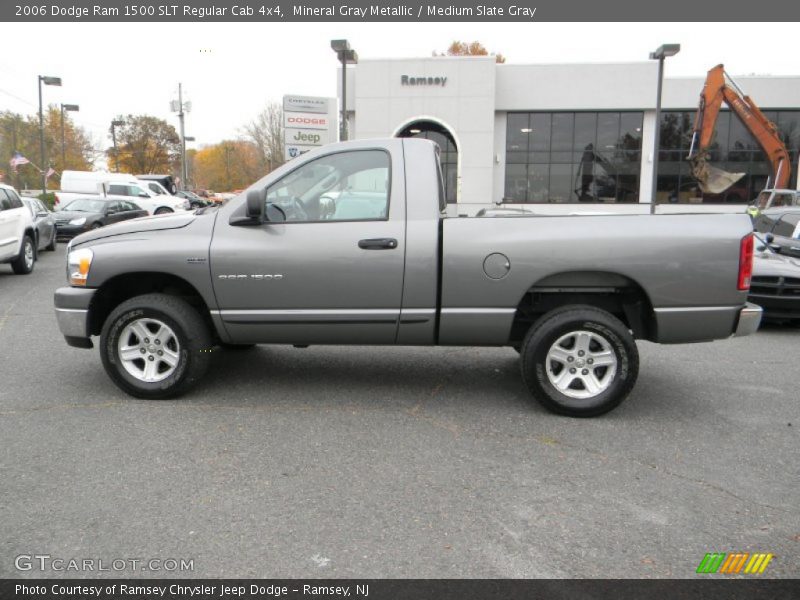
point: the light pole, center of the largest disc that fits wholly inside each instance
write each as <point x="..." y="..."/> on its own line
<point x="660" y="54"/>
<point x="181" y="108"/>
<point x="347" y="56"/>
<point x="71" y="108"/>
<point x="44" y="79"/>
<point x="114" y="124"/>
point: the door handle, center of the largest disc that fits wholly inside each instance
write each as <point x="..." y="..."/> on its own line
<point x="378" y="244"/>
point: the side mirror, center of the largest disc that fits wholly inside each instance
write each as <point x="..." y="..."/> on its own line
<point x="41" y="214"/>
<point x="255" y="204"/>
<point x="143" y="195"/>
<point x="769" y="238"/>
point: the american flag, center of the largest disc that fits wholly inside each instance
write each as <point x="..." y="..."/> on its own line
<point x="50" y="172"/>
<point x="17" y="160"/>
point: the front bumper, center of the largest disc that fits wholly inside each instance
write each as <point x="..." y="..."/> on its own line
<point x="749" y="320"/>
<point x="72" y="313"/>
<point x="67" y="232"/>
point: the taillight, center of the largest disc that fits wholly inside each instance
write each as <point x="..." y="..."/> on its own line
<point x="745" y="262"/>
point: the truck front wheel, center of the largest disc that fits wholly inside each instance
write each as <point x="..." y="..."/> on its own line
<point x="579" y="361"/>
<point x="155" y="346"/>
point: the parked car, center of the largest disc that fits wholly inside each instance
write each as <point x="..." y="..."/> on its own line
<point x="17" y="232"/>
<point x="43" y="222"/>
<point x="387" y="266"/>
<point x="775" y="285"/>
<point x="773" y="199"/>
<point x="165" y="181"/>
<point x="80" y="184"/>
<point x="85" y="214"/>
<point x="781" y="230"/>
<point x="195" y="201"/>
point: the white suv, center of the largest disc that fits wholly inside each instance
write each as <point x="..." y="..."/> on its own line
<point x="17" y="245"/>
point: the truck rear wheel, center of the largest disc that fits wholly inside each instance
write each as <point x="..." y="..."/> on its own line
<point x="155" y="346"/>
<point x="579" y="361"/>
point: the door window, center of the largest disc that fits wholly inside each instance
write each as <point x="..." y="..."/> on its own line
<point x="347" y="186"/>
<point x="14" y="199"/>
<point x="5" y="202"/>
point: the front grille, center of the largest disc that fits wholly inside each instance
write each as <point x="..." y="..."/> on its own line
<point x="787" y="287"/>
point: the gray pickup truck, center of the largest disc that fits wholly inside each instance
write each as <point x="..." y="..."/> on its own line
<point x="351" y="244"/>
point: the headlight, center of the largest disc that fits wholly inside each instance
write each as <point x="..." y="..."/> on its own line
<point x="78" y="263"/>
<point x="78" y="221"/>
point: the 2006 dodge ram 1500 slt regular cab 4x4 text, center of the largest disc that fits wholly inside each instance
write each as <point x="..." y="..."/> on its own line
<point x="350" y="244"/>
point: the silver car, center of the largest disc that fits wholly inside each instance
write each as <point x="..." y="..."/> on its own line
<point x="44" y="223"/>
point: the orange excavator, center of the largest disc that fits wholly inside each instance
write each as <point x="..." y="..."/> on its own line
<point x="721" y="88"/>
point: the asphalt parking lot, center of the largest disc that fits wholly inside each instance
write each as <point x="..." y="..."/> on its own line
<point x="399" y="462"/>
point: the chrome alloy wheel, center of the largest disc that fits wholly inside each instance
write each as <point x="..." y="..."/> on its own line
<point x="581" y="364"/>
<point x="148" y="350"/>
<point x="28" y="255"/>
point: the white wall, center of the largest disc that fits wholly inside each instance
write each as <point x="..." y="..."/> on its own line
<point x="465" y="105"/>
<point x="479" y="93"/>
<point x="603" y="86"/>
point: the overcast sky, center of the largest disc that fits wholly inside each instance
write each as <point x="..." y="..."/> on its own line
<point x="229" y="71"/>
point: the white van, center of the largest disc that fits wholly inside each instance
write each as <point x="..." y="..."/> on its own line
<point x="80" y="184"/>
<point x="17" y="236"/>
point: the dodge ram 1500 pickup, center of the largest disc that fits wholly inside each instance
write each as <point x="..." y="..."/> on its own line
<point x="351" y="244"/>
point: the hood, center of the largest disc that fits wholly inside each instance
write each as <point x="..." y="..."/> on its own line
<point x="141" y="225"/>
<point x="767" y="264"/>
<point x="68" y="215"/>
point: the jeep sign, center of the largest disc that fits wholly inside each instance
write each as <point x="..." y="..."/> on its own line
<point x="306" y="137"/>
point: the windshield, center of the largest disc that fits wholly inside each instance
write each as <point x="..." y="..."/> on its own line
<point x="85" y="205"/>
<point x="762" y="199"/>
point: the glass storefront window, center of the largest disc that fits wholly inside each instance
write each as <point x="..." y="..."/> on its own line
<point x="564" y="157"/>
<point x="734" y="149"/>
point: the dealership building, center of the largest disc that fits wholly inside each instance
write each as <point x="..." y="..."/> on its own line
<point x="556" y="134"/>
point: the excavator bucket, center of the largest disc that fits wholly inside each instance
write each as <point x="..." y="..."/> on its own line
<point x="713" y="180"/>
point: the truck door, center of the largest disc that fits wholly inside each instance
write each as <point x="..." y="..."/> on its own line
<point x="328" y="265"/>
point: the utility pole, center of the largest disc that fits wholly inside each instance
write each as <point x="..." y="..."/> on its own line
<point x="181" y="108"/>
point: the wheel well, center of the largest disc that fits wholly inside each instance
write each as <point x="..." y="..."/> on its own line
<point x="118" y="289"/>
<point x="617" y="294"/>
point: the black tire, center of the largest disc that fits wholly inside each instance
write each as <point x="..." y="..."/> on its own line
<point x="606" y="334"/>
<point x="96" y="225"/>
<point x="163" y="210"/>
<point x="191" y="333"/>
<point x="53" y="242"/>
<point x="22" y="265"/>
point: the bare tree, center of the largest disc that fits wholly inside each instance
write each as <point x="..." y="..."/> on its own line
<point x="266" y="132"/>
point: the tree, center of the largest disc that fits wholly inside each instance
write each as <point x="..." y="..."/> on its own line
<point x="266" y="133"/>
<point x="146" y="145"/>
<point x="20" y="133"/>
<point x="470" y="49"/>
<point x="227" y="166"/>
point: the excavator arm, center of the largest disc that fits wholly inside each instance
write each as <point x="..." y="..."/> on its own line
<point x="719" y="88"/>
